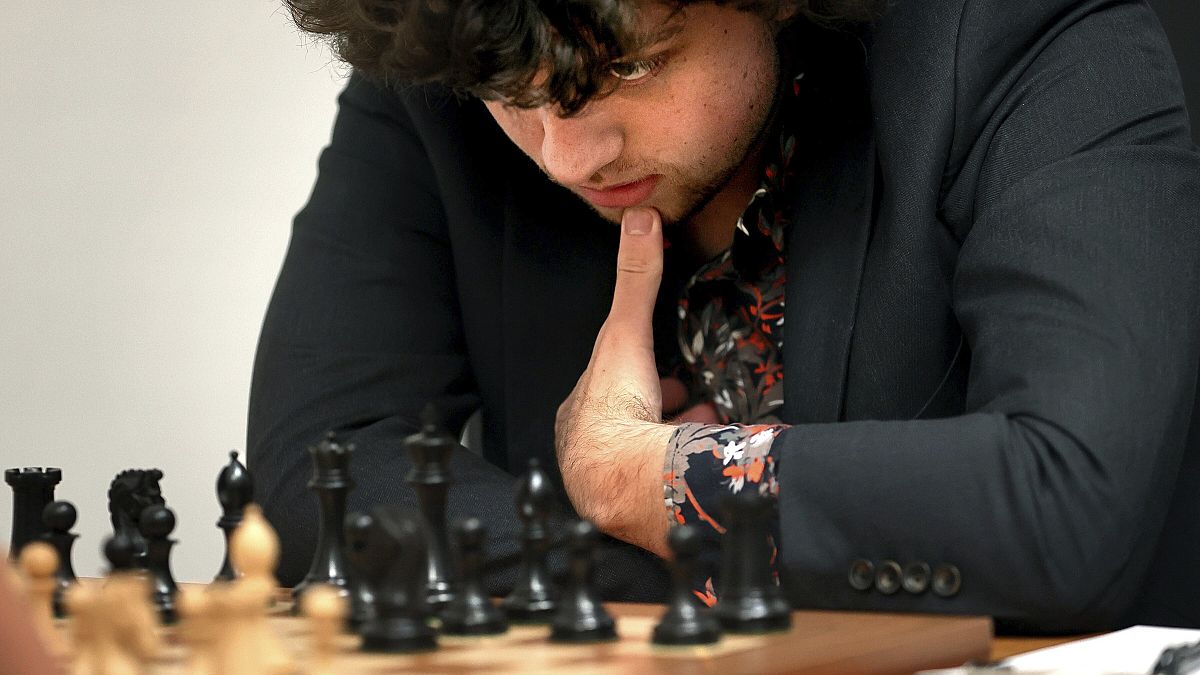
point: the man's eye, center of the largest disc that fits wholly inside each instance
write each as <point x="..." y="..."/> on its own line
<point x="631" y="71"/>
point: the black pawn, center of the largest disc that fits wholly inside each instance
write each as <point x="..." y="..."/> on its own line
<point x="120" y="550"/>
<point x="33" y="489"/>
<point x="156" y="524"/>
<point x="534" y="597"/>
<point x="748" y="599"/>
<point x="471" y="611"/>
<point x="365" y="569"/>
<point x="59" y="518"/>
<point x="687" y="621"/>
<point x="332" y="483"/>
<point x="235" y="489"/>
<point x="430" y="450"/>
<point x="397" y="549"/>
<point x="580" y="616"/>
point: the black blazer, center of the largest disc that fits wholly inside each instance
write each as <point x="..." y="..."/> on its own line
<point x="992" y="336"/>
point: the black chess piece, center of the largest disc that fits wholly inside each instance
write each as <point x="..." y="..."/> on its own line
<point x="580" y="616"/>
<point x="59" y="517"/>
<point x="748" y="599"/>
<point x="429" y="476"/>
<point x="365" y="569"/>
<point x="533" y="597"/>
<point x="33" y="489"/>
<point x="129" y="494"/>
<point x="332" y="483"/>
<point x="120" y="551"/>
<point x="156" y="524"/>
<point x="471" y="611"/>
<point x="235" y="489"/>
<point x="397" y="555"/>
<point x="687" y="621"/>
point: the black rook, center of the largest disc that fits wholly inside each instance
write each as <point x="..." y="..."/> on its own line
<point x="33" y="489"/>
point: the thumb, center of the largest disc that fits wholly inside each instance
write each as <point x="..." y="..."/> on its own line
<point x="639" y="267"/>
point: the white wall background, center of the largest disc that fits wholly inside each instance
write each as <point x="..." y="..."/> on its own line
<point x="152" y="156"/>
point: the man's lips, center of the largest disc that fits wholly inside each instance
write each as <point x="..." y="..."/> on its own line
<point x="624" y="195"/>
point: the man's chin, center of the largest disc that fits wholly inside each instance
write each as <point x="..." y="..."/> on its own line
<point x="613" y="214"/>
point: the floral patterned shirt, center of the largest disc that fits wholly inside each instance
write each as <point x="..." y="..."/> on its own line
<point x="730" y="336"/>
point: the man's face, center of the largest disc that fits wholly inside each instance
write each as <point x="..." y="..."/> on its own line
<point x="684" y="120"/>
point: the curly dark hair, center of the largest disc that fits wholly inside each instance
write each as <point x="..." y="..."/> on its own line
<point x="496" y="48"/>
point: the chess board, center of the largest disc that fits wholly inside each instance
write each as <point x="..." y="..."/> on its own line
<point x="841" y="642"/>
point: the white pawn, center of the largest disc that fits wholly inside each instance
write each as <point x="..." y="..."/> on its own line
<point x="83" y="606"/>
<point x="39" y="562"/>
<point x="326" y="611"/>
<point x="129" y="623"/>
<point x="198" y="630"/>
<point x="246" y="643"/>
<point x="114" y="627"/>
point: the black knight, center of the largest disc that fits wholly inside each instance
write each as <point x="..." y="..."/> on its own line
<point x="128" y="495"/>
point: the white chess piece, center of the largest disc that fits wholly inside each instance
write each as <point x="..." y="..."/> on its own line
<point x="128" y="622"/>
<point x="198" y="630"/>
<point x="38" y="562"/>
<point x="326" y="611"/>
<point x="247" y="644"/>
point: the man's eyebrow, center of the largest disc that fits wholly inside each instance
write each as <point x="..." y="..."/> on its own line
<point x="666" y="32"/>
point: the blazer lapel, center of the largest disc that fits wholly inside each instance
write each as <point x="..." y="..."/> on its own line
<point x="826" y="251"/>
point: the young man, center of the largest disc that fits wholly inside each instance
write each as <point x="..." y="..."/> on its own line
<point x="977" y="224"/>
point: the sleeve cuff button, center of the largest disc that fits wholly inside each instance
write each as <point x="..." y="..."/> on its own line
<point x="887" y="577"/>
<point x="861" y="575"/>
<point x="916" y="577"/>
<point x="946" y="580"/>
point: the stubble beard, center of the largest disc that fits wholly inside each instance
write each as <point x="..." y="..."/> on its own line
<point x="697" y="192"/>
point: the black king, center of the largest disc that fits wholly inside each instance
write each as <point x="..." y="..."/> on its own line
<point x="430" y="450"/>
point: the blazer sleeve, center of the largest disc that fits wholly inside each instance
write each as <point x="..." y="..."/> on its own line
<point x="1076" y="287"/>
<point x="362" y="331"/>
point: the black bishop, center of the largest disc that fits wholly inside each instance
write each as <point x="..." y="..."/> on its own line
<point x="235" y="489"/>
<point x="534" y="597"/>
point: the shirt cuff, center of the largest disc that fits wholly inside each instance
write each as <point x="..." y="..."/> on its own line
<point x="704" y="462"/>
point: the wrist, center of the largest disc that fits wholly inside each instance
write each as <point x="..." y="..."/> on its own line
<point x="627" y="501"/>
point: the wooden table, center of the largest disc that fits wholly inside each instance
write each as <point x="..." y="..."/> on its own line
<point x="818" y="642"/>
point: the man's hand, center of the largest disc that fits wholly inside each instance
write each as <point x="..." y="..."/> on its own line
<point x="608" y="433"/>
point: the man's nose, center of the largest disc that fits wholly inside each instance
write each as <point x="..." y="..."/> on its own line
<point x="574" y="149"/>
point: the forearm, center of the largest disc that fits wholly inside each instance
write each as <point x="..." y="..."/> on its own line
<point x="1042" y="528"/>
